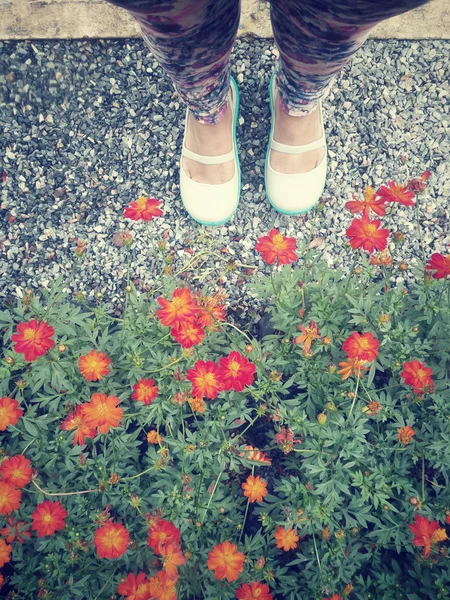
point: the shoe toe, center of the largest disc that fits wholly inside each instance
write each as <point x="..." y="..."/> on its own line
<point x="209" y="204"/>
<point x="296" y="193"/>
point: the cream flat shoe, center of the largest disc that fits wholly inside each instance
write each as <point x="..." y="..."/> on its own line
<point x="293" y="194"/>
<point x="213" y="204"/>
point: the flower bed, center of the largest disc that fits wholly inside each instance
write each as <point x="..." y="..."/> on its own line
<point x="167" y="453"/>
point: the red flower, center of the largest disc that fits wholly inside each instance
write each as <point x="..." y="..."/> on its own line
<point x="33" y="339"/>
<point x="361" y="346"/>
<point x="236" y="371"/>
<point x="369" y="203"/>
<point x="9" y="498"/>
<point x="226" y="562"/>
<point x="102" y="412"/>
<point x="111" y="540"/>
<point x="426" y="533"/>
<point x="161" y="534"/>
<point x="48" y="517"/>
<point x="206" y="379"/>
<point x="9" y="412"/>
<point x="418" y="185"/>
<point x="144" y="208"/>
<point x="367" y="234"/>
<point x="181" y="307"/>
<point x="396" y="193"/>
<point x="210" y="308"/>
<point x="134" y="587"/>
<point x="440" y="264"/>
<point x="188" y="333"/>
<point x="16" y="471"/>
<point x="145" y="391"/>
<point x="17" y="531"/>
<point x="277" y="247"/>
<point x="417" y="375"/>
<point x="405" y="434"/>
<point x="76" y="421"/>
<point x="254" y="591"/>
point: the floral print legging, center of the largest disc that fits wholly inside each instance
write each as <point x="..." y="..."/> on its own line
<point x="192" y="41"/>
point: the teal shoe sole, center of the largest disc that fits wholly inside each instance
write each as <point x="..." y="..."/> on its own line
<point x="283" y="212"/>
<point x="236" y="115"/>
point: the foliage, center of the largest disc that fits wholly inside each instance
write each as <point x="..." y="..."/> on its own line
<point x="337" y="470"/>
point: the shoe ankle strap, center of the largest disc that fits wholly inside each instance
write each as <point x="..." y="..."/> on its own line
<point x="208" y="160"/>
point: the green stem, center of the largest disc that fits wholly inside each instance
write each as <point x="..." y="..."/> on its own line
<point x="356" y="395"/>
<point x="245" y="514"/>
<point x="317" y="554"/>
<point x="212" y="494"/>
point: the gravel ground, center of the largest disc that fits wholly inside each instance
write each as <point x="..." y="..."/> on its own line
<point x="88" y="126"/>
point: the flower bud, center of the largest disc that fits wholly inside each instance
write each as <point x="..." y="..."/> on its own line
<point x="128" y="289"/>
<point x="322" y="418"/>
<point x="398" y="237"/>
<point x="403" y="266"/>
<point x="9" y="360"/>
<point x="339" y="534"/>
<point x="326" y="341"/>
<point x="62" y="348"/>
<point x="20" y="384"/>
<point x="414" y="501"/>
<point x="384" y="318"/>
<point x="249" y="349"/>
<point x="331" y="406"/>
<point x="358" y="270"/>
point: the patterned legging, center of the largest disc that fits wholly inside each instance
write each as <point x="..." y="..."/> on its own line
<point x="192" y="41"/>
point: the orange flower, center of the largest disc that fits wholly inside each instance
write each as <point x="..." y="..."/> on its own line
<point x="161" y="534"/>
<point x="134" y="587"/>
<point x="396" y="193"/>
<point x="48" y="517"/>
<point x="287" y="539"/>
<point x="352" y="367"/>
<point x="226" y="562"/>
<point x="254" y="591"/>
<point x="361" y="346"/>
<point x="76" y="421"/>
<point x="102" y="412"/>
<point x="369" y="203"/>
<point x="153" y="437"/>
<point x="236" y="371"/>
<point x="197" y="405"/>
<point x="162" y="587"/>
<point x="426" y="533"/>
<point x="111" y="540"/>
<point x="94" y="365"/>
<point x="406" y="434"/>
<point x="16" y="471"/>
<point x="188" y="333"/>
<point x="181" y="307"/>
<point x="277" y="247"/>
<point x="33" y="339"/>
<point x="144" y="208"/>
<point x="417" y="375"/>
<point x="5" y="552"/>
<point x="440" y="264"/>
<point x="367" y="234"/>
<point x="254" y="488"/>
<point x="145" y="391"/>
<point x="205" y="379"/>
<point x="9" y="412"/>
<point x="15" y="531"/>
<point x="9" y="498"/>
<point x="172" y="558"/>
<point x="210" y="308"/>
<point x="382" y="259"/>
<point x="256" y="455"/>
<point x="309" y="334"/>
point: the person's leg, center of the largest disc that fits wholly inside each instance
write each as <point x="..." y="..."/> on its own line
<point x="316" y="38"/>
<point x="192" y="41"/>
